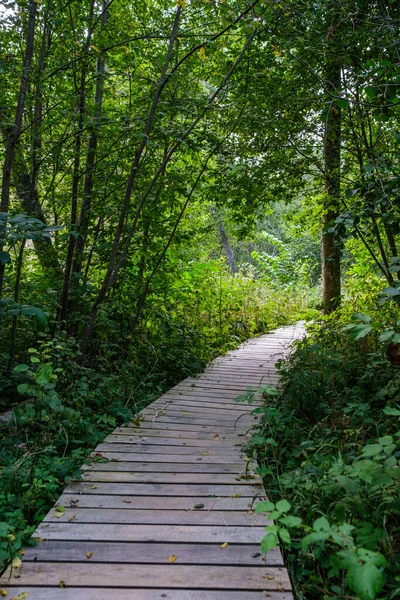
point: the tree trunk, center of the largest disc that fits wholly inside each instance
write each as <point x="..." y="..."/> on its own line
<point x="12" y="137"/>
<point x="330" y="247"/>
<point x="230" y="258"/>
<point x="84" y="216"/>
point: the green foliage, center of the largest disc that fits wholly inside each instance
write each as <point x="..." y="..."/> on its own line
<point x="329" y="445"/>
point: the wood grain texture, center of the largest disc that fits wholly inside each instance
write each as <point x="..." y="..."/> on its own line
<point x="175" y="481"/>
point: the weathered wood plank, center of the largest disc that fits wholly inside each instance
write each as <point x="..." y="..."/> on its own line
<point x="153" y="467"/>
<point x="163" y="489"/>
<point x="194" y="534"/>
<point x="165" y="477"/>
<point x="142" y="576"/>
<point x="83" y="500"/>
<point x="131" y="516"/>
<point x="151" y="553"/>
<point x="161" y="458"/>
<point x="140" y="594"/>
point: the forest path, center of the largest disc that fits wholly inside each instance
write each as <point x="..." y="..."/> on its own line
<point x="169" y="517"/>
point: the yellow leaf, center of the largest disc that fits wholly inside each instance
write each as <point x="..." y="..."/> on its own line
<point x="95" y="48"/>
<point x="186" y="413"/>
<point x="20" y="596"/>
<point x="21" y="552"/>
<point x="61" y="584"/>
<point x="4" y="592"/>
<point x="216" y="437"/>
<point x="38" y="539"/>
<point x="224" y="545"/>
<point x="205" y="453"/>
<point x="89" y="554"/>
<point x="172" y="558"/>
<point x="236" y="496"/>
<point x="93" y="487"/>
<point x="181" y="3"/>
<point x="16" y="563"/>
<point x="71" y="518"/>
<point x="270" y="577"/>
<point x="126" y="49"/>
<point x="202" y="53"/>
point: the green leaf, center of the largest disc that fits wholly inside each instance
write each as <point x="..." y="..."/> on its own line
<point x="365" y="580"/>
<point x="269" y="542"/>
<point x="389" y="410"/>
<point x="21" y="368"/>
<point x="386" y="335"/>
<point x="283" y="506"/>
<point x="359" y="331"/>
<point x="362" y="317"/>
<point x="391" y="291"/>
<point x="321" y="524"/>
<point x="31" y="311"/>
<point x="342" y="102"/>
<point x="284" y="535"/>
<point x="22" y="388"/>
<point x="290" y="521"/>
<point x="264" y="507"/>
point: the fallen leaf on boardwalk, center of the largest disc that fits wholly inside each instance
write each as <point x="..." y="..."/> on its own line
<point x="146" y="464"/>
<point x="20" y="596"/>
<point x="247" y="459"/>
<point x="197" y="506"/>
<point x="186" y="412"/>
<point x="249" y="512"/>
<point x="93" y="487"/>
<point x="216" y="437"/>
<point x="4" y="592"/>
<point x="61" y="584"/>
<point x="21" y="552"/>
<point x="89" y="554"/>
<point x="60" y="509"/>
<point x="224" y="545"/>
<point x="236" y="496"/>
<point x="38" y="539"/>
<point x="16" y="563"/>
<point x="269" y="577"/>
<point x="127" y="501"/>
<point x="205" y="453"/>
<point x="172" y="558"/>
<point x="71" y="518"/>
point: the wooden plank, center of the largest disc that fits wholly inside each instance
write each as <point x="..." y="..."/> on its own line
<point x="171" y="467"/>
<point x="194" y="534"/>
<point x="131" y="516"/>
<point x="169" y="576"/>
<point x="188" y="427"/>
<point x="139" y="441"/>
<point x="182" y="449"/>
<point x="140" y="594"/>
<point x="171" y="433"/>
<point x="151" y="553"/>
<point x="148" y="489"/>
<point x="150" y="477"/>
<point x="161" y="458"/>
<point x="154" y="502"/>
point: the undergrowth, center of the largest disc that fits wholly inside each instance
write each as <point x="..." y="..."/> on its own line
<point x="328" y="449"/>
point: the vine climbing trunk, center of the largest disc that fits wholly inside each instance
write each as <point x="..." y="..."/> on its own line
<point x="330" y="247"/>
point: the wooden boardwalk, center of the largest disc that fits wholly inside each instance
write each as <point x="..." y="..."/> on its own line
<point x="170" y="515"/>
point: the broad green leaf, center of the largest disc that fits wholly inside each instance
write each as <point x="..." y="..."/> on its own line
<point x="283" y="506"/>
<point x="269" y="542"/>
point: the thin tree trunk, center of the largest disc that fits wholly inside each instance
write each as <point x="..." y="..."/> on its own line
<point x="15" y="131"/>
<point x="16" y="298"/>
<point x="230" y="258"/>
<point x="76" y="173"/>
<point x="84" y="217"/>
<point x="330" y="246"/>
